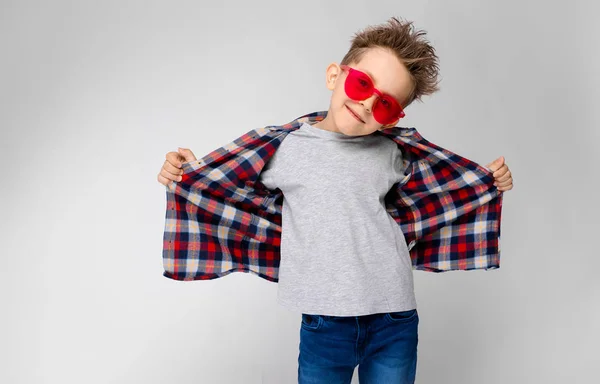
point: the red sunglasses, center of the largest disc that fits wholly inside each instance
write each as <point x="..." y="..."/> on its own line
<point x="359" y="86"/>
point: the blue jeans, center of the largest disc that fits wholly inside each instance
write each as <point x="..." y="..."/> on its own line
<point x="383" y="345"/>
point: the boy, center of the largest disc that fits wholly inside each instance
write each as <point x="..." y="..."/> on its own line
<point x="345" y="262"/>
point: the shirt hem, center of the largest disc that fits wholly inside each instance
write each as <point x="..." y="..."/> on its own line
<point x="321" y="311"/>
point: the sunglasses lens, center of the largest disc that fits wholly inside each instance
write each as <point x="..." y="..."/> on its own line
<point x="386" y="110"/>
<point x="358" y="86"/>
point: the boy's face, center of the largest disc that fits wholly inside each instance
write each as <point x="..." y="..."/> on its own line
<point x="389" y="76"/>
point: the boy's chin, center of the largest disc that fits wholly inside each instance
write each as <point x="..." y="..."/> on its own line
<point x="354" y="129"/>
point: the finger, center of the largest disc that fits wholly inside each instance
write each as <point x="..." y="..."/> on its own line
<point x="175" y="159"/>
<point x="504" y="181"/>
<point x="187" y="154"/>
<point x="172" y="169"/>
<point x="171" y="172"/>
<point x="163" y="180"/>
<point x="505" y="186"/>
<point x="500" y="171"/>
<point x="171" y="175"/>
<point x="507" y="176"/>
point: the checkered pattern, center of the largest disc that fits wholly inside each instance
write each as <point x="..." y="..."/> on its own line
<point x="220" y="218"/>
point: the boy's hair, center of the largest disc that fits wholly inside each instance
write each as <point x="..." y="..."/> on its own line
<point x="415" y="52"/>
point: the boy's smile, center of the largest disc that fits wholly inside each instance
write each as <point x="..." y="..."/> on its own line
<point x="355" y="118"/>
<point x="354" y="114"/>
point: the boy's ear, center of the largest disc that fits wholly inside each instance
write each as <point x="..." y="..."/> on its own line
<point x="331" y="75"/>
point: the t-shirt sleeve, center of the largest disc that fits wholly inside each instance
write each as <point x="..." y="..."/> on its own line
<point x="398" y="166"/>
<point x="268" y="175"/>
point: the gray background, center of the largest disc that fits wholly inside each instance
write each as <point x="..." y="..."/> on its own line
<point x="94" y="94"/>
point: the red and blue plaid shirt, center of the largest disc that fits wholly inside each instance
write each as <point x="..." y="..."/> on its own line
<point x="220" y="218"/>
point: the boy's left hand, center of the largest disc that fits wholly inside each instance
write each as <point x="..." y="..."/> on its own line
<point x="502" y="176"/>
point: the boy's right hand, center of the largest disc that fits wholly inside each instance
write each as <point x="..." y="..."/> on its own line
<point x="172" y="168"/>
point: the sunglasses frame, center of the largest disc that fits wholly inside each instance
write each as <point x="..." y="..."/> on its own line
<point x="375" y="90"/>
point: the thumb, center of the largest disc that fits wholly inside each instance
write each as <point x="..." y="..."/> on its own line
<point x="186" y="153"/>
<point x="496" y="164"/>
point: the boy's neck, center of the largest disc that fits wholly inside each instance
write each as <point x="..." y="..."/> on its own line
<point x="324" y="124"/>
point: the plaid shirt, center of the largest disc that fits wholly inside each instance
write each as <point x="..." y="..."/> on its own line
<point x="220" y="218"/>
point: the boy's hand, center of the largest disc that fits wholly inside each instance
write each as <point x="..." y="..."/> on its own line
<point x="502" y="175"/>
<point x="171" y="170"/>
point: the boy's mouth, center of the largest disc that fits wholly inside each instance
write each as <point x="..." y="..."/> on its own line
<point x="354" y="114"/>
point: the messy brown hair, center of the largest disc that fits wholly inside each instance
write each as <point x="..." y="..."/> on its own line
<point x="414" y="51"/>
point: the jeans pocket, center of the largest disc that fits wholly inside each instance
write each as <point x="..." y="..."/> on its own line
<point x="311" y="322"/>
<point x="402" y="316"/>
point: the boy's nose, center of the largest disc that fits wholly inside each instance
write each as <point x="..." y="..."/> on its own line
<point x="368" y="103"/>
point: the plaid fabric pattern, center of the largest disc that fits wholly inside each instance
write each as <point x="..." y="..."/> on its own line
<point x="220" y="218"/>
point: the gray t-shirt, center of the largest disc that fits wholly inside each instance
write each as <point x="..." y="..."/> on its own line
<point x="342" y="254"/>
